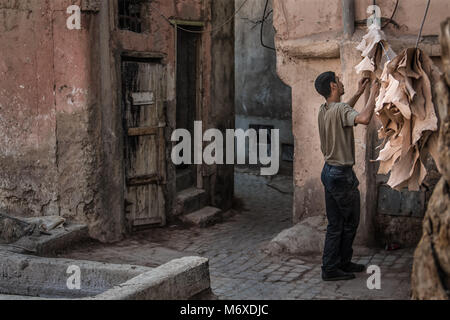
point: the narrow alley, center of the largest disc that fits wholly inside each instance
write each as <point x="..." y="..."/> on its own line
<point x="217" y="150"/>
<point x="240" y="269"/>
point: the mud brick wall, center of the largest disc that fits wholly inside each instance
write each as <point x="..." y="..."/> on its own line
<point x="61" y="136"/>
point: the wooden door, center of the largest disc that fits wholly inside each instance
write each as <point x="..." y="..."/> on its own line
<point x="144" y="96"/>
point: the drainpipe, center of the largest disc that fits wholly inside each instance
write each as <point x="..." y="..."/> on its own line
<point x="348" y="7"/>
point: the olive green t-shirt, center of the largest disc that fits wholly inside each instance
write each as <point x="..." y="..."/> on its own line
<point x="337" y="140"/>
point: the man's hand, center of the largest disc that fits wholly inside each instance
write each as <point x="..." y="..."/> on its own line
<point x="362" y="85"/>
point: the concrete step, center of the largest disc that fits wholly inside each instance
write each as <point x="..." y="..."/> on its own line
<point x="204" y="217"/>
<point x="190" y="200"/>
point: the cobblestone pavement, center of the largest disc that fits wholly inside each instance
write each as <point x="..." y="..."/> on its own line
<point x="240" y="270"/>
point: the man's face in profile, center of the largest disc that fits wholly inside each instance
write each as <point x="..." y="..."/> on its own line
<point x="340" y="86"/>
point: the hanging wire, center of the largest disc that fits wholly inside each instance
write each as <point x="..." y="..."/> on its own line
<point x="199" y="31"/>
<point x="392" y="16"/>
<point x="264" y="18"/>
<point x="423" y="22"/>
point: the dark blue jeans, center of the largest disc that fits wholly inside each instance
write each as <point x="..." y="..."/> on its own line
<point x="342" y="199"/>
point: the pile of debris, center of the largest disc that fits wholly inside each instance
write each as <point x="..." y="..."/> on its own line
<point x="12" y="229"/>
<point x="38" y="235"/>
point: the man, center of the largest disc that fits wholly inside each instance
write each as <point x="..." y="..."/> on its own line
<point x="342" y="197"/>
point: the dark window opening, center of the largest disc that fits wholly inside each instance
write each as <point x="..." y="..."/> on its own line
<point x="187" y="95"/>
<point x="130" y="15"/>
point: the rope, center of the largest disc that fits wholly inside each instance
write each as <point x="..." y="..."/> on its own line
<point x="423" y="22"/>
<point x="200" y="31"/>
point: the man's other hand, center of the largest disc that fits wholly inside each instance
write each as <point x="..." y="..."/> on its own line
<point x="375" y="88"/>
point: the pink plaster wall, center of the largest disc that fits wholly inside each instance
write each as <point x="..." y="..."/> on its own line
<point x="48" y="92"/>
<point x="295" y="21"/>
<point x="58" y="91"/>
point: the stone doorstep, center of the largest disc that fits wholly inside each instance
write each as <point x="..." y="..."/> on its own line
<point x="204" y="217"/>
<point x="190" y="200"/>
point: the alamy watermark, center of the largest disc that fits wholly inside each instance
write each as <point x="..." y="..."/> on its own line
<point x="74" y="280"/>
<point x="374" y="281"/>
<point x="375" y="17"/>
<point x="74" y="20"/>
<point x="222" y="150"/>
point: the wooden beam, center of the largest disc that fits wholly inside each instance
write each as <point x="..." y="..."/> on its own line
<point x="187" y="23"/>
<point x="143" y="180"/>
<point x="132" y="55"/>
<point x="143" y="131"/>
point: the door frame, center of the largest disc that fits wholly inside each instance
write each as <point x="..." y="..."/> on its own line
<point x="199" y="80"/>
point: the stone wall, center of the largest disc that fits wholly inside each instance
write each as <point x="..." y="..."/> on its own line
<point x="49" y="104"/>
<point x="261" y="97"/>
<point x="309" y="41"/>
<point x="431" y="269"/>
<point x="61" y="134"/>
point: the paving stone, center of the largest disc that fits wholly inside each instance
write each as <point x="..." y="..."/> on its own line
<point x="240" y="270"/>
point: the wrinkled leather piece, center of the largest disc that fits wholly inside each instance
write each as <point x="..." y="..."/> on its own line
<point x="409" y="120"/>
<point x="375" y="51"/>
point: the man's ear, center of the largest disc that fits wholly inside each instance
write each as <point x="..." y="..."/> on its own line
<point x="333" y="85"/>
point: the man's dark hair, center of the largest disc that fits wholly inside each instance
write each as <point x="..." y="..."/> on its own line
<point x="323" y="83"/>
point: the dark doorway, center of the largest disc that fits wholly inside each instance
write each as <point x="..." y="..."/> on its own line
<point x="187" y="90"/>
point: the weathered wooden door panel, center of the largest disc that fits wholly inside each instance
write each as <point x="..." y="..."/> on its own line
<point x="144" y="120"/>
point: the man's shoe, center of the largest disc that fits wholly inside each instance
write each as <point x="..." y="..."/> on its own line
<point x="353" y="267"/>
<point x="337" y="275"/>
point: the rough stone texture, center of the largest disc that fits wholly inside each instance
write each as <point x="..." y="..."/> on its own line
<point x="56" y="240"/>
<point x="178" y="279"/>
<point x="50" y="158"/>
<point x="204" y="217"/>
<point x="431" y="272"/>
<point x="39" y="236"/>
<point x="404" y="231"/>
<point x="432" y="257"/>
<point x="42" y="277"/>
<point x="190" y="200"/>
<point x="305" y="238"/>
<point x="11" y="229"/>
<point x="61" y="126"/>
<point x="33" y="276"/>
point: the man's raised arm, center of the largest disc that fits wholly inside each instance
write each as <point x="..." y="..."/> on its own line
<point x="362" y="84"/>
